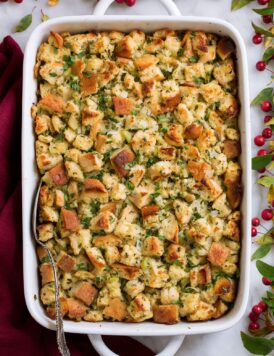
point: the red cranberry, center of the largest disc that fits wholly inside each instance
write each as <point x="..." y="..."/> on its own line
<point x="253" y="326"/>
<point x="266" y="281"/>
<point x="3" y="0"/>
<point x="267" y="18"/>
<point x="262" y="152"/>
<point x="257" y="38"/>
<point x="267" y="118"/>
<point x="130" y="2"/>
<point x="259" y="140"/>
<point x="263" y="2"/>
<point x="18" y="1"/>
<point x="262" y="170"/>
<point x="263" y="305"/>
<point x="253" y="231"/>
<point x="266" y="105"/>
<point x="253" y="317"/>
<point x="120" y="1"/>
<point x="257" y="309"/>
<point x="255" y="221"/>
<point x="261" y="65"/>
<point x="267" y="132"/>
<point x="267" y="214"/>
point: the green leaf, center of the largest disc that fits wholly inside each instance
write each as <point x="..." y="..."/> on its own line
<point x="267" y="238"/>
<point x="264" y="11"/>
<point x="265" y="269"/>
<point x="265" y="94"/>
<point x="238" y="4"/>
<point x="257" y="345"/>
<point x="261" y="252"/>
<point x="260" y="162"/>
<point x="24" y="23"/>
<point x="268" y="53"/>
<point x="262" y="31"/>
<point x="266" y="181"/>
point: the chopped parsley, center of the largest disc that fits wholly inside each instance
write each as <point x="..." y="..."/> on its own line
<point x="193" y="59"/>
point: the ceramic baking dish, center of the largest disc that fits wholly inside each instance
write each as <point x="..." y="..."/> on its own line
<point x="98" y="22"/>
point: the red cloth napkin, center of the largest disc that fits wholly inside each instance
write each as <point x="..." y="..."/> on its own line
<point x="19" y="333"/>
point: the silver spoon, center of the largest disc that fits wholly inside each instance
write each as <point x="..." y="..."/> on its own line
<point x="60" y="334"/>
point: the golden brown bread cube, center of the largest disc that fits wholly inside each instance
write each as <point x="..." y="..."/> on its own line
<point x="166" y="314"/>
<point x="116" y="310"/>
<point x="218" y="253"/>
<point x="232" y="148"/>
<point x="85" y="292"/>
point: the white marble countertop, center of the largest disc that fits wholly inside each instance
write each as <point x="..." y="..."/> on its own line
<point x="227" y="342"/>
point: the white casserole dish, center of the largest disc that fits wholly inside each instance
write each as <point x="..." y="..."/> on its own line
<point x="30" y="177"/>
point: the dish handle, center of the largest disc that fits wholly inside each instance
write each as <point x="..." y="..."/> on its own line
<point x="170" y="350"/>
<point x="102" y="6"/>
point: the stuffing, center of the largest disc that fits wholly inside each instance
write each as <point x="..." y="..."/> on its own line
<point x="138" y="148"/>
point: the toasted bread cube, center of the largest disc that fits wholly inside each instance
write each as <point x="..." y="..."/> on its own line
<point x="234" y="194"/>
<point x="232" y="148"/>
<point x="218" y="254"/>
<point x="76" y="309"/>
<point x="232" y="230"/>
<point x="229" y="107"/>
<point x="47" y="294"/>
<point x="176" y="253"/>
<point x="42" y="254"/>
<point x="134" y="287"/>
<point x="59" y="198"/>
<point x="74" y="171"/>
<point x="85" y="292"/>
<point x="89" y="85"/>
<point x="120" y="159"/>
<point x="122" y="106"/>
<point x="141" y="196"/>
<point x="46" y="161"/>
<point x="143" y="142"/>
<point x="90" y="162"/>
<point x="223" y="286"/>
<point x="183" y="211"/>
<point x="96" y="258"/>
<point x="225" y="47"/>
<point x="166" y="314"/>
<point x="112" y="254"/>
<point x="161" y="169"/>
<point x="48" y="213"/>
<point x="220" y="204"/>
<point x="41" y="124"/>
<point x="136" y="174"/>
<point x="204" y="311"/>
<point x="70" y="220"/>
<point x="145" y="61"/>
<point x="52" y="103"/>
<point x="104" y="221"/>
<point x="140" y="308"/>
<point x="200" y="170"/>
<point x="221" y="309"/>
<point x="47" y="274"/>
<point x="82" y="142"/>
<point x="94" y="316"/>
<point x="107" y="241"/>
<point x="190" y="302"/>
<point x="125" y="48"/>
<point x="45" y="232"/>
<point x="116" y="310"/>
<point x="51" y="312"/>
<point x="153" y="246"/>
<point x="193" y="131"/>
<point x="169" y="228"/>
<point x="127" y="272"/>
<point x="174" y="135"/>
<point x="200" y="276"/>
<point x="130" y="256"/>
<point x="184" y="115"/>
<point x="65" y="262"/>
<point x="169" y="295"/>
<point x="167" y="153"/>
